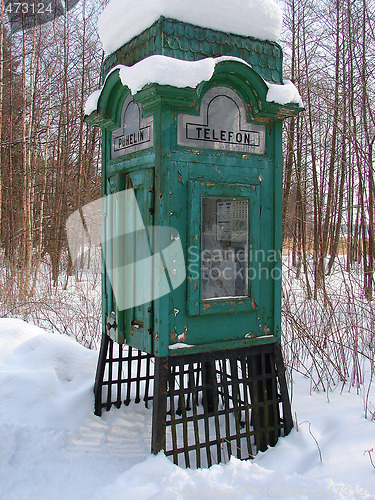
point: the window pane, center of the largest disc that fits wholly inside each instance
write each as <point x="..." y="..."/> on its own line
<point x="225" y="238"/>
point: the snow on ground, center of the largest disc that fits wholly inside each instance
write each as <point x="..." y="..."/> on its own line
<point x="122" y="20"/>
<point x="53" y="447"/>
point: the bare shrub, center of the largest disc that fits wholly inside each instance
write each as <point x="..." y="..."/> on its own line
<point x="71" y="307"/>
<point x="331" y="339"/>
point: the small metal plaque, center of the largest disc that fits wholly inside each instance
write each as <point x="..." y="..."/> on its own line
<point x="222" y="125"/>
<point x="135" y="132"/>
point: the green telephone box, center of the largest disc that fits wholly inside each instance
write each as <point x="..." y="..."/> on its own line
<point x="192" y="204"/>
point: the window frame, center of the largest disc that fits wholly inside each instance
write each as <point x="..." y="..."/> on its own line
<point x="197" y="190"/>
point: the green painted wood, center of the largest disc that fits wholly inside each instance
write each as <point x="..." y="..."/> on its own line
<point x="138" y="319"/>
<point x="180" y="177"/>
<point x="278" y="225"/>
<point x="221" y="346"/>
<point x="174" y="38"/>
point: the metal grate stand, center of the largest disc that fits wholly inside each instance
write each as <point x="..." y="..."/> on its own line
<point x="220" y="404"/>
<point x="206" y="406"/>
<point x="123" y="374"/>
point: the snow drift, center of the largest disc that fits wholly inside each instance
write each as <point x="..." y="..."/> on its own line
<point x="52" y="446"/>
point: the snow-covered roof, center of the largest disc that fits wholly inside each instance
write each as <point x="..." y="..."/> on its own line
<point x="165" y="70"/>
<point x="92" y="102"/>
<point x="122" y="20"/>
<point x="286" y="93"/>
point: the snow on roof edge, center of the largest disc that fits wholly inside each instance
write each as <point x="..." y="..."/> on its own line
<point x="164" y="70"/>
<point x="285" y="93"/>
<point x="92" y="102"/>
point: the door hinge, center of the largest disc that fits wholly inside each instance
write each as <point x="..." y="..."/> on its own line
<point x="110" y="326"/>
<point x="151" y="201"/>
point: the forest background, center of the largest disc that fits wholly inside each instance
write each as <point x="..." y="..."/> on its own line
<point x="50" y="167"/>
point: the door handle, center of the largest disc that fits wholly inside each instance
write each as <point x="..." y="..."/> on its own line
<point x="137" y="324"/>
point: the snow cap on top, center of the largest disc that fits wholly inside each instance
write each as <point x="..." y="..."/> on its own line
<point x="122" y="20"/>
<point x="164" y="70"/>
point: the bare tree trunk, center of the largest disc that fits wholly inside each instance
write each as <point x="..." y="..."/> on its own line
<point x="332" y="164"/>
<point x="291" y="127"/>
<point x="336" y="227"/>
<point x="318" y="270"/>
<point x="1" y="109"/>
<point x="38" y="249"/>
<point x="369" y="270"/>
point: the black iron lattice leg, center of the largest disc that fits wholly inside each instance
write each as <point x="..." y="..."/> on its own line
<point x="285" y="401"/>
<point x="99" y="377"/>
<point x="119" y="375"/>
<point x="272" y="411"/>
<point x="159" y="411"/>
<point x="208" y="373"/>
<point x="257" y="398"/>
<point x="250" y="384"/>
